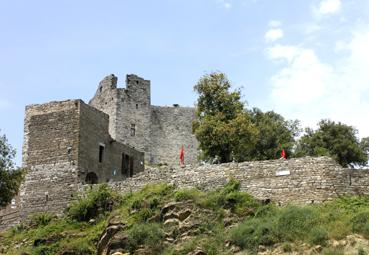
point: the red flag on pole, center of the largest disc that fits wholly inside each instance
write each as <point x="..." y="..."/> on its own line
<point x="283" y="154"/>
<point x="181" y="156"/>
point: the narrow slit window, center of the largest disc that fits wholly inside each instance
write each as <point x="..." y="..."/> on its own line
<point x="101" y="153"/>
<point x="133" y="129"/>
<point x="125" y="164"/>
<point x="136" y="106"/>
<point x="131" y="166"/>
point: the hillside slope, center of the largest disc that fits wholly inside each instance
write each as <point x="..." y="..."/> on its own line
<point x="161" y="219"/>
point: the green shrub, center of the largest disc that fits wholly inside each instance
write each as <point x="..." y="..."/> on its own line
<point x="268" y="210"/>
<point x="360" y="223"/>
<point x="254" y="232"/>
<point x="187" y="194"/>
<point x="137" y="203"/>
<point x="144" y="214"/>
<point x="351" y="203"/>
<point x="45" y="250"/>
<point x="318" y="236"/>
<point x="240" y="202"/>
<point x="77" y="247"/>
<point x="40" y="219"/>
<point x="19" y="228"/>
<point x="148" y="234"/>
<point x="229" y="197"/>
<point x="294" y="223"/>
<point x="94" y="202"/>
<point x="232" y="185"/>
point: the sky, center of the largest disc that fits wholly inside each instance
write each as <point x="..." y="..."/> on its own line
<point x="305" y="59"/>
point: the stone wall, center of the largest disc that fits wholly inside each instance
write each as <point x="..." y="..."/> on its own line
<point x="171" y="127"/>
<point x="303" y="180"/>
<point x="9" y="215"/>
<point x="48" y="188"/>
<point x="359" y="181"/>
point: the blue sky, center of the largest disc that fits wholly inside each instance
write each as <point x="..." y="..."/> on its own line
<point x="307" y="60"/>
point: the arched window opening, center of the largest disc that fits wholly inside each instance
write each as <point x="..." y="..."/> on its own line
<point x="91" y="178"/>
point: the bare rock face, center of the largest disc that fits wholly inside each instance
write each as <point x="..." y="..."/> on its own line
<point x="112" y="241"/>
<point x="181" y="220"/>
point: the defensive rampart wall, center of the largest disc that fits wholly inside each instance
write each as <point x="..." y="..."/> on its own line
<point x="302" y="180"/>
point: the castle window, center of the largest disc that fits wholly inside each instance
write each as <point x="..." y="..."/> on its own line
<point x="131" y="160"/>
<point x="101" y="153"/>
<point x="136" y="106"/>
<point x="133" y="129"/>
<point x="91" y="178"/>
<point x="69" y="152"/>
<point x="125" y="164"/>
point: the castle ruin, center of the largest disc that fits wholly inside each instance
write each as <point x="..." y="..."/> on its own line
<point x="69" y="145"/>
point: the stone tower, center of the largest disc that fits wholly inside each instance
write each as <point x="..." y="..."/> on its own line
<point x="67" y="144"/>
<point x="158" y="131"/>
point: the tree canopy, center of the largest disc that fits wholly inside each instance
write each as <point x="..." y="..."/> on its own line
<point x="223" y="128"/>
<point x="10" y="177"/>
<point x="336" y="140"/>
<point x="275" y="134"/>
<point x="227" y="130"/>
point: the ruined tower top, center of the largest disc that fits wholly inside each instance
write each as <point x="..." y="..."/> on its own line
<point x="109" y="82"/>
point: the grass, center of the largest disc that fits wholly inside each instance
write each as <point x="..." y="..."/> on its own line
<point x="96" y="201"/>
<point x="258" y="224"/>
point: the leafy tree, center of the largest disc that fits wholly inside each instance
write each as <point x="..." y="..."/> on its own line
<point x="364" y="145"/>
<point x="10" y="178"/>
<point x="337" y="140"/>
<point x="223" y="128"/>
<point x="275" y="134"/>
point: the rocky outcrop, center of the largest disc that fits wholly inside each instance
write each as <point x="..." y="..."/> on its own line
<point x="112" y="240"/>
<point x="181" y="222"/>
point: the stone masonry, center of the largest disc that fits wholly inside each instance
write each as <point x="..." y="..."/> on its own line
<point x="158" y="131"/>
<point x="301" y="180"/>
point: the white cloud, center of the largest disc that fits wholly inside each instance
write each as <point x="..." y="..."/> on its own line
<point x="329" y="6"/>
<point x="304" y="77"/>
<point x="282" y="52"/>
<point x="310" y="89"/>
<point x="273" y="34"/>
